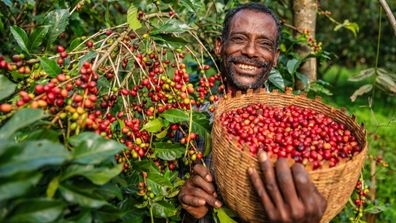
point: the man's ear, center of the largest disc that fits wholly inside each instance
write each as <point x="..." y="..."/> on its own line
<point x="218" y="46"/>
<point x="276" y="57"/>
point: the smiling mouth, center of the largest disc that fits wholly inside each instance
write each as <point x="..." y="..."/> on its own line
<point x="247" y="67"/>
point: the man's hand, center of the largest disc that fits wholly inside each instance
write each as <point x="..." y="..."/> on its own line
<point x="198" y="193"/>
<point x="287" y="193"/>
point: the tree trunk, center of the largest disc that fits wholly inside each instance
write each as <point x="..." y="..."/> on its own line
<point x="304" y="19"/>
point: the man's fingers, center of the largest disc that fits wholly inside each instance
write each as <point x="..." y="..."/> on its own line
<point x="202" y="171"/>
<point x="286" y="182"/>
<point x="200" y="182"/>
<point x="260" y="189"/>
<point x="198" y="197"/>
<point x="192" y="200"/>
<point x="308" y="192"/>
<point x="271" y="184"/>
<point x="304" y="185"/>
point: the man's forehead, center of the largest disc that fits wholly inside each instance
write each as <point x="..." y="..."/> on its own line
<point x="253" y="21"/>
<point x="254" y="15"/>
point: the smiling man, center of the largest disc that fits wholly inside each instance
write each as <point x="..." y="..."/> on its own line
<point x="248" y="49"/>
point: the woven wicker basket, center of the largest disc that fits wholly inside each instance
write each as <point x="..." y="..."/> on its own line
<point x="230" y="164"/>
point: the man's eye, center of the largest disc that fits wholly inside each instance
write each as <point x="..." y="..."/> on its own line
<point x="237" y="39"/>
<point x="265" y="44"/>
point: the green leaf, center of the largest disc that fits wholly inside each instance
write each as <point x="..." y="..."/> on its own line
<point x="34" y="154"/>
<point x="363" y="75"/>
<point x="175" y="115"/>
<point x="171" y="26"/>
<point x="97" y="175"/>
<point x="168" y="151"/>
<point x="170" y="41"/>
<point x="20" y="37"/>
<point x="222" y="215"/>
<point x="6" y="87"/>
<point x="382" y="71"/>
<point x="50" y="66"/>
<point x="7" y="2"/>
<point x="84" y="196"/>
<point x="37" y="37"/>
<point x="91" y="148"/>
<point x="292" y="66"/>
<point x="57" y="20"/>
<point x="84" y="216"/>
<point x="361" y="91"/>
<point x="351" y="26"/>
<point x="1" y="23"/>
<point x="158" y="183"/>
<point x="19" y="120"/>
<point x="75" y="43"/>
<point x="375" y="208"/>
<point x="110" y="213"/>
<point x="304" y="79"/>
<point x="319" y="88"/>
<point x="153" y="126"/>
<point x="132" y="18"/>
<point x="192" y="6"/>
<point x="8" y="148"/>
<point x="386" y="83"/>
<point x="53" y="187"/>
<point x="44" y="133"/>
<point x="113" y="189"/>
<point x="18" y="184"/>
<point x="276" y="78"/>
<point x="142" y="205"/>
<point x="200" y="123"/>
<point x="37" y="210"/>
<point x="162" y="134"/>
<point x="163" y="209"/>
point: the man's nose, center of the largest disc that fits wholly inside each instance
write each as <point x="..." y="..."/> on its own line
<point x="250" y="49"/>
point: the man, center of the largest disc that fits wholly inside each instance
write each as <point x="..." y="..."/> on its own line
<point x="248" y="49"/>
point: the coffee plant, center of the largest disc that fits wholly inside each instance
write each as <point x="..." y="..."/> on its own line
<point x="117" y="111"/>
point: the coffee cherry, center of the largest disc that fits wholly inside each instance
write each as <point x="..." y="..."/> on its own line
<point x="5" y="108"/>
<point x="60" y="49"/>
<point x="89" y="44"/>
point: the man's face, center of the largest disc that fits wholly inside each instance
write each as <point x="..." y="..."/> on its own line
<point x="249" y="52"/>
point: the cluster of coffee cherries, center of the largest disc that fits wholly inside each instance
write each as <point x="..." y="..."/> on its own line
<point x="17" y="63"/>
<point x="301" y="134"/>
<point x="117" y="95"/>
<point x="312" y="42"/>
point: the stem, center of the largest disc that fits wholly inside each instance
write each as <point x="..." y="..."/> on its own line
<point x="388" y="12"/>
<point x="378" y="39"/>
<point x="76" y="6"/>
<point x="111" y="48"/>
<point x="205" y="49"/>
<point x="151" y="214"/>
<point x="377" y="53"/>
<point x="189" y="123"/>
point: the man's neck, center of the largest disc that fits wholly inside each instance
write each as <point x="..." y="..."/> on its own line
<point x="233" y="89"/>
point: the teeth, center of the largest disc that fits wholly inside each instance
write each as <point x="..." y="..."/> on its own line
<point x="247" y="67"/>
